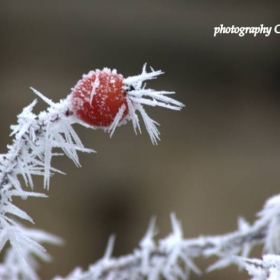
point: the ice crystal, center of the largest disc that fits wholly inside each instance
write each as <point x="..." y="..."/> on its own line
<point x="138" y="95"/>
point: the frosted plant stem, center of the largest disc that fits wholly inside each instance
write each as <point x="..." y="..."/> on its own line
<point x="35" y="139"/>
<point x="30" y="154"/>
<point x="172" y="257"/>
<point x="22" y="143"/>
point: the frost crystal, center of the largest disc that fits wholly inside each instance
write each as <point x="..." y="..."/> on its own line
<point x="138" y="95"/>
<point x="266" y="269"/>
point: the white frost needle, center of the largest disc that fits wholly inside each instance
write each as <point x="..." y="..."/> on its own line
<point x="138" y="95"/>
<point x="43" y="97"/>
<point x="117" y="120"/>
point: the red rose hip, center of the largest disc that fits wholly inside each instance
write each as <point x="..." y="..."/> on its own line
<point x="98" y="96"/>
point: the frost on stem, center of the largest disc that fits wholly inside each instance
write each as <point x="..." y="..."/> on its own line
<point x="165" y="260"/>
<point x="32" y="149"/>
<point x="138" y="95"/>
<point x="115" y="100"/>
<point x="172" y="258"/>
<point x="30" y="154"/>
<point x="266" y="269"/>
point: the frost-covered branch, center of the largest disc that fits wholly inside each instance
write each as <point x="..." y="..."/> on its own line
<point x="30" y="154"/>
<point x="105" y="99"/>
<point x="266" y="269"/>
<point x="20" y="260"/>
<point x="173" y="257"/>
<point x="101" y="99"/>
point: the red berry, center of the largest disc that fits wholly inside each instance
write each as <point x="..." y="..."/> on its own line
<point x="98" y="96"/>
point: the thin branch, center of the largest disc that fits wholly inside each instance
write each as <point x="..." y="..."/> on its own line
<point x="31" y="152"/>
<point x="172" y="257"/>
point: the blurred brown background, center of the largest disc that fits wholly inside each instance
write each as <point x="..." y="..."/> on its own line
<point x="218" y="159"/>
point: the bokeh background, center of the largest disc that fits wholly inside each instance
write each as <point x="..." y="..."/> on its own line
<point x="219" y="158"/>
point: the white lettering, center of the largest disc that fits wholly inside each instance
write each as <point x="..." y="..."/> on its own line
<point x="216" y="31"/>
<point x="241" y="31"/>
<point x="277" y="29"/>
<point x="268" y="31"/>
<point x="256" y="30"/>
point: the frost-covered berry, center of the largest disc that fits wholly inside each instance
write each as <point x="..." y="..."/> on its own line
<point x="105" y="99"/>
<point x="98" y="97"/>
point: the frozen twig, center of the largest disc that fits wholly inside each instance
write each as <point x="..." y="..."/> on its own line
<point x="173" y="256"/>
<point x="31" y="152"/>
<point x="266" y="269"/>
<point x="32" y="149"/>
